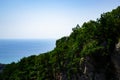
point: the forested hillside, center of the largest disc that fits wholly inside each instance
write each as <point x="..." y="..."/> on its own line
<point x="86" y="54"/>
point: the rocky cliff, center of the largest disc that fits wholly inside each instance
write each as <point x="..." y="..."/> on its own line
<point x="97" y="68"/>
<point x="116" y="61"/>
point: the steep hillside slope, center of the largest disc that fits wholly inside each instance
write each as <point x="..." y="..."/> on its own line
<point x="91" y="52"/>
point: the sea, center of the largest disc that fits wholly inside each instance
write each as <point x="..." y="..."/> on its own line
<point x="12" y="50"/>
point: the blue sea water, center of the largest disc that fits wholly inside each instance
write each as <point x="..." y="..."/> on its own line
<point x="12" y="50"/>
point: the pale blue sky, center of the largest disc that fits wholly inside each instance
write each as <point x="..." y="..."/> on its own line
<point x="41" y="19"/>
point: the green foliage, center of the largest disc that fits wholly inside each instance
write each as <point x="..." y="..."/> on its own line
<point x="90" y="48"/>
<point x="93" y="38"/>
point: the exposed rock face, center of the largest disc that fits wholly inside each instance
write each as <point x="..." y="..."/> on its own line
<point x="97" y="68"/>
<point x="91" y="72"/>
<point x="116" y="61"/>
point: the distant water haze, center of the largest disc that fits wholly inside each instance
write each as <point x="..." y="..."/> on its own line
<point x="12" y="50"/>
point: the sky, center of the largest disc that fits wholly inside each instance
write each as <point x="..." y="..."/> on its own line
<point x="48" y="19"/>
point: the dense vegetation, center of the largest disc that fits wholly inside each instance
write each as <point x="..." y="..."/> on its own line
<point x="95" y="39"/>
